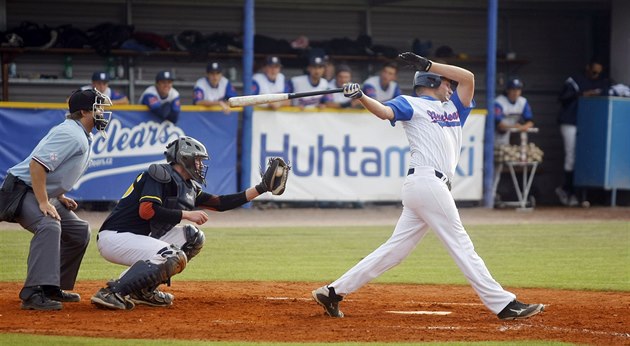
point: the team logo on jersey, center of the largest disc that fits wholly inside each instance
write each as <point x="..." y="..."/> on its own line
<point x="445" y="119"/>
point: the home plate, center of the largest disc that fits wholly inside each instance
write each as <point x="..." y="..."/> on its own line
<point x="441" y="313"/>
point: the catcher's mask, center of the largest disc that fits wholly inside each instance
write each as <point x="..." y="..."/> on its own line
<point x="430" y="80"/>
<point x="94" y="101"/>
<point x="189" y="153"/>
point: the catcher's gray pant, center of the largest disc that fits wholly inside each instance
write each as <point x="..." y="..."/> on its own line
<point x="427" y="203"/>
<point x="57" y="247"/>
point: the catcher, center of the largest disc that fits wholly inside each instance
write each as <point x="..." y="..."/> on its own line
<point x="143" y="230"/>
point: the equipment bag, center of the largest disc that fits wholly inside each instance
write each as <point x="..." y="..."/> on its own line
<point x="12" y="194"/>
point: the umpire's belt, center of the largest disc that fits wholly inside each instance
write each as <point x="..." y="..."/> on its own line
<point x="438" y="174"/>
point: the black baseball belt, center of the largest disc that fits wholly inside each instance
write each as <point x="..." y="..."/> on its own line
<point x="438" y="174"/>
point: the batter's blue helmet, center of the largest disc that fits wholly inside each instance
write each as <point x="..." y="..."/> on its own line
<point x="427" y="79"/>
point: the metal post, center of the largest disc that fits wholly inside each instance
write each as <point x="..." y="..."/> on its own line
<point x="491" y="69"/>
<point x="248" y="67"/>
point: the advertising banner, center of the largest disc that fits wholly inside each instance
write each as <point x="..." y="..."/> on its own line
<point x="352" y="156"/>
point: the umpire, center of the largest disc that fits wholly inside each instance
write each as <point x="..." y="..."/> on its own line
<point x="33" y="195"/>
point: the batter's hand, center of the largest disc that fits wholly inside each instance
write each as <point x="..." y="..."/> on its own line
<point x="352" y="90"/>
<point x="49" y="209"/>
<point x="420" y="63"/>
<point x="197" y="216"/>
<point x="69" y="203"/>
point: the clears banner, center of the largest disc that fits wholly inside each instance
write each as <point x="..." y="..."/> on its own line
<point x="352" y="156"/>
<point x="135" y="139"/>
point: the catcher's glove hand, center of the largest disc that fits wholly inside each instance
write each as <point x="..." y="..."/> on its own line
<point x="418" y="62"/>
<point x="274" y="179"/>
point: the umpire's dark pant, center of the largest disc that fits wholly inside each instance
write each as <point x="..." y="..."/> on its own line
<point x="57" y="247"/>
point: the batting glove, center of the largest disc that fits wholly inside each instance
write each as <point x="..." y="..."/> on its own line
<point x="352" y="90"/>
<point x="420" y="63"/>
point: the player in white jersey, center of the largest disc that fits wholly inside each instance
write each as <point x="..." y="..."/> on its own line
<point x="343" y="75"/>
<point x="433" y="124"/>
<point x="271" y="81"/>
<point x="161" y="98"/>
<point x="214" y="89"/>
<point x="511" y="111"/>
<point x="384" y="86"/>
<point x="313" y="81"/>
<point x="100" y="82"/>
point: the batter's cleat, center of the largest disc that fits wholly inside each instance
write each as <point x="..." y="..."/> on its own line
<point x="518" y="311"/>
<point x="326" y="297"/>
<point x="39" y="301"/>
<point x="107" y="299"/>
<point x="152" y="298"/>
<point x="55" y="293"/>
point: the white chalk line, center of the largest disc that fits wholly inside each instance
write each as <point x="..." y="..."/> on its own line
<point x="421" y="312"/>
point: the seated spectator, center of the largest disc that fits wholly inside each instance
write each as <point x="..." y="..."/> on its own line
<point x="161" y="98"/>
<point x="271" y="81"/>
<point x="313" y="81"/>
<point x="342" y="76"/>
<point x="214" y="89"/>
<point x="384" y="86"/>
<point x="100" y="82"/>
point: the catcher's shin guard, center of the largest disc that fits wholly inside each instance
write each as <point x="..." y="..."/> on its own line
<point x="143" y="274"/>
<point x="194" y="241"/>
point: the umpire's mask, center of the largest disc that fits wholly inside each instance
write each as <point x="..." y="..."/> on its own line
<point x="94" y="101"/>
<point x="189" y="153"/>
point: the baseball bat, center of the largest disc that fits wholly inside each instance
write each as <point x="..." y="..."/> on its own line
<point x="251" y="100"/>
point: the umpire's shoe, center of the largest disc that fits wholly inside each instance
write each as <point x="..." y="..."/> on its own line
<point x="33" y="298"/>
<point x="107" y="299"/>
<point x="152" y="298"/>
<point x="326" y="297"/>
<point x="55" y="293"/>
<point x="518" y="311"/>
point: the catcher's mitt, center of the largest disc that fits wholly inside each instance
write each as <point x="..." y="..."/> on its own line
<point x="274" y="179"/>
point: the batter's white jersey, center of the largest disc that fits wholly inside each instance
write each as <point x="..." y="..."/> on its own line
<point x="433" y="128"/>
<point x="301" y="84"/>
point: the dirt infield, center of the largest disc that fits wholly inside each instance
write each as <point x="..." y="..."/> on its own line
<point x="284" y="312"/>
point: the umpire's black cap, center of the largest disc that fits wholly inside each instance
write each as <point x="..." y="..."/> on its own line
<point x="82" y="100"/>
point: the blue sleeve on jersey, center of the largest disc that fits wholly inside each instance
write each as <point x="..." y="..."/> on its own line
<point x="369" y="90"/>
<point x="255" y="88"/>
<point x="498" y="112"/>
<point x="116" y="95"/>
<point x="290" y="87"/>
<point x="462" y="110"/>
<point x="197" y="95"/>
<point x="527" y="112"/>
<point x="229" y="91"/>
<point x="287" y="87"/>
<point x="402" y="109"/>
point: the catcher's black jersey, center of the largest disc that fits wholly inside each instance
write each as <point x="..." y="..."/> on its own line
<point x="126" y="215"/>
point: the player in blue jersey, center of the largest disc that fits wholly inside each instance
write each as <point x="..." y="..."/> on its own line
<point x="161" y="98"/>
<point x="214" y="89"/>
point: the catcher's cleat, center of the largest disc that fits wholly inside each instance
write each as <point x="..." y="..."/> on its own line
<point x="107" y="299"/>
<point x="326" y="297"/>
<point x="518" y="311"/>
<point x="152" y="298"/>
<point x="39" y="301"/>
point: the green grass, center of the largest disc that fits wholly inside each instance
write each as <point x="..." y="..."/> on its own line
<point x="590" y="256"/>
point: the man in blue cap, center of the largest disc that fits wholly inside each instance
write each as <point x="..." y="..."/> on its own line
<point x="214" y="89"/>
<point x="100" y="82"/>
<point x="161" y="98"/>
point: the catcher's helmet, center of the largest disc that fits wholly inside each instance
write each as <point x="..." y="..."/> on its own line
<point x="185" y="151"/>
<point x="427" y="79"/>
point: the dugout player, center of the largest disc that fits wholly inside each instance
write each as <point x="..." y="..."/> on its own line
<point x="271" y="81"/>
<point x="143" y="230"/>
<point x="100" y="82"/>
<point x="511" y="111"/>
<point x="313" y="81"/>
<point x="433" y="124"/>
<point x="60" y="238"/>
<point x="161" y="98"/>
<point x="384" y="86"/>
<point x="214" y="89"/>
<point x="343" y="75"/>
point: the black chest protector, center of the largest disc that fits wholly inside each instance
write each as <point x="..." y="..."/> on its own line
<point x="178" y="194"/>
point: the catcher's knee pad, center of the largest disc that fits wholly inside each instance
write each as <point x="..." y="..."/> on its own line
<point x="143" y="274"/>
<point x="195" y="239"/>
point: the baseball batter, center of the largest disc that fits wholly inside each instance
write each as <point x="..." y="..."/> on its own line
<point x="433" y="124"/>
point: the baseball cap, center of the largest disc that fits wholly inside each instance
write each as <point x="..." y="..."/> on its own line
<point x="316" y="60"/>
<point x="214" y="66"/>
<point x="515" y="83"/>
<point x="81" y="100"/>
<point x="100" y="76"/>
<point x="273" y="60"/>
<point x="163" y="75"/>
